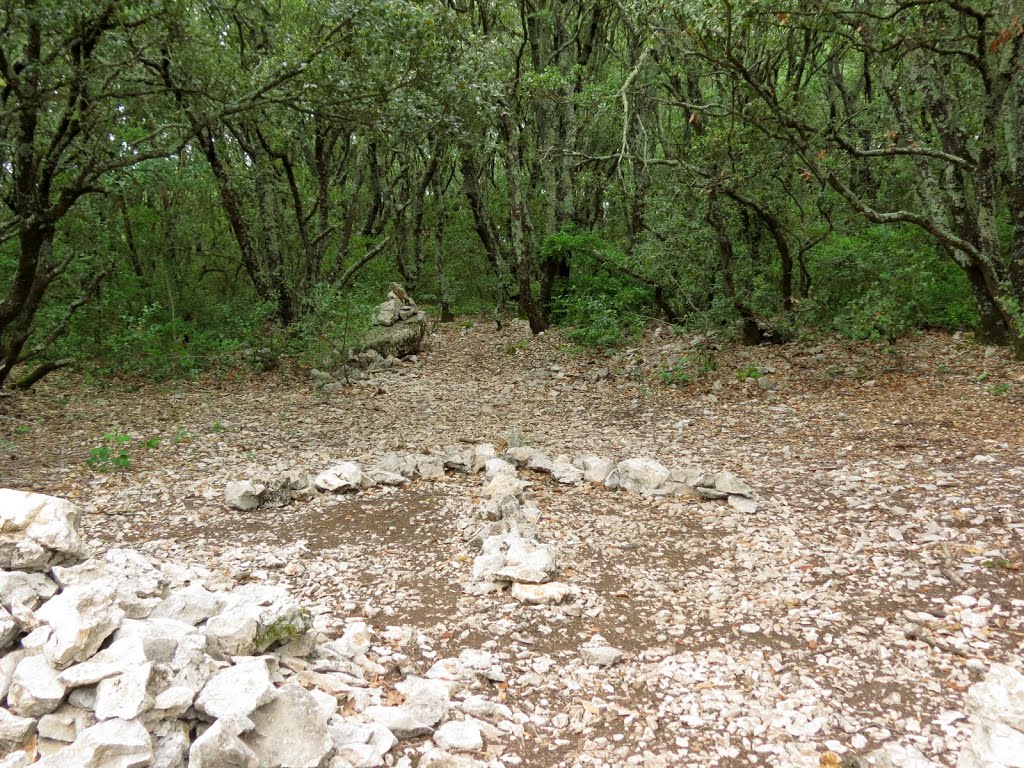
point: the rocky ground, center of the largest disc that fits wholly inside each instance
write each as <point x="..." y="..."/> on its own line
<point x="876" y="581"/>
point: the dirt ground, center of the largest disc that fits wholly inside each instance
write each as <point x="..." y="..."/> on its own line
<point x="877" y="580"/>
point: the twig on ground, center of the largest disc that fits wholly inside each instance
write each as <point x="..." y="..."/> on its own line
<point x="949" y="570"/>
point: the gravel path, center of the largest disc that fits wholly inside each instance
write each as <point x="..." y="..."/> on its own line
<point x="877" y="580"/>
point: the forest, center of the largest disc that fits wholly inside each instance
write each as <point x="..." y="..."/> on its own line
<point x="190" y="185"/>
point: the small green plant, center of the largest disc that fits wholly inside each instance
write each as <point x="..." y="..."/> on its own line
<point x="113" y="454"/>
<point x="750" y="372"/>
<point x="153" y="442"/>
<point x="983" y="376"/>
<point x="1000" y="389"/>
<point x="518" y="346"/>
<point x="22" y="429"/>
<point x="942" y="369"/>
<point x="1002" y="564"/>
<point x="676" y="377"/>
<point x="181" y="435"/>
<point x="217" y="427"/>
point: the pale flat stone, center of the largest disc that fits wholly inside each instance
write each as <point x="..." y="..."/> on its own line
<point x="127" y="695"/>
<point x="244" y="495"/>
<point x="192" y="604"/>
<point x="29" y="589"/>
<point x="459" y="736"/>
<point x="220" y="746"/>
<point x="237" y="690"/>
<point x="600" y="655"/>
<point x="640" y="476"/>
<point x="727" y="482"/>
<point x="36" y="688"/>
<point x="551" y="593"/>
<point x="345" y="476"/>
<point x="14" y="730"/>
<point x="37" y="531"/>
<point x="110" y="744"/>
<point x="81" y="618"/>
<point x="290" y="730"/>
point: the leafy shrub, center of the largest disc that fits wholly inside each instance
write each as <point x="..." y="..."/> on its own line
<point x="886" y="281"/>
<point x="603" y="306"/>
<point x="112" y="454"/>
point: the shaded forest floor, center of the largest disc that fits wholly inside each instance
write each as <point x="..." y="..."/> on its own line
<point x="882" y="569"/>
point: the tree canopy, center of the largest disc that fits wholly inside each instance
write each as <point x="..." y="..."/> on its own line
<point x="183" y="182"/>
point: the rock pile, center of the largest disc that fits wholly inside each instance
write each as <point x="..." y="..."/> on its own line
<point x="641" y="476"/>
<point x="119" y="661"/>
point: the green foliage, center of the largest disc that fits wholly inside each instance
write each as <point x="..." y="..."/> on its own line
<point x="112" y="454"/>
<point x="602" y="306"/>
<point x="676" y="377"/>
<point x="153" y="443"/>
<point x="1000" y="389"/>
<point x="750" y="372"/>
<point x="885" y="282"/>
<point x="689" y="368"/>
<point x="333" y="324"/>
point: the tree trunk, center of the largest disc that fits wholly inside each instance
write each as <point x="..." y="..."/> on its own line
<point x="519" y="228"/>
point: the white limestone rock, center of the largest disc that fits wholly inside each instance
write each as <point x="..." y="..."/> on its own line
<point x="539" y="461"/>
<point x="438" y="758"/>
<point x="399" y="465"/>
<point x="346" y="476"/>
<point x="528" y="562"/>
<point x="255" y="618"/>
<point x="552" y="593"/>
<point x="138" y="584"/>
<point x="426" y="700"/>
<point x="600" y="655"/>
<point x="290" y="730"/>
<point x="244" y="495"/>
<point x="482" y="453"/>
<point x="237" y="690"/>
<point x="36" y="688"/>
<point x="566" y="473"/>
<point x="727" y="482"/>
<point x="193" y="605"/>
<point x="459" y="736"/>
<point x="119" y="657"/>
<point x="496" y="466"/>
<point x="81" y="618"/>
<point x="219" y="746"/>
<point x="742" y="504"/>
<point x="595" y="468"/>
<point x="14" y="731"/>
<point x="170" y="744"/>
<point x="65" y="724"/>
<point x="893" y="755"/>
<point x="8" y="663"/>
<point x="9" y="629"/>
<point x="354" y="641"/>
<point x="503" y="485"/>
<point x="429" y="467"/>
<point x="346" y="732"/>
<point x="399" y="720"/>
<point x="29" y="589"/>
<point x="996" y="709"/>
<point x="641" y="476"/>
<point x="109" y="744"/>
<point x="381" y="477"/>
<point x="128" y="694"/>
<point x="160" y="637"/>
<point x="458" y="460"/>
<point x="37" y="531"/>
